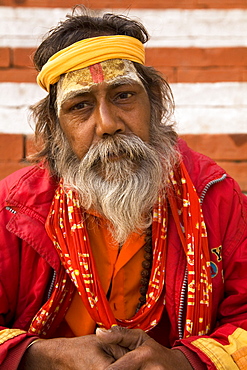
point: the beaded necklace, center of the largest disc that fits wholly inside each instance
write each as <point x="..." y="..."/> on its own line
<point x="147" y="265"/>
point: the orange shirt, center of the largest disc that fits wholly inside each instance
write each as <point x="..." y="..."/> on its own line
<point x="119" y="272"/>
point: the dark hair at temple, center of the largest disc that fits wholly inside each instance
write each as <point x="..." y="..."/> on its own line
<point x="81" y="25"/>
<point x="78" y="27"/>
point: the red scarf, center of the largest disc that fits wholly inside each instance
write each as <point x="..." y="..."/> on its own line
<point x="66" y="229"/>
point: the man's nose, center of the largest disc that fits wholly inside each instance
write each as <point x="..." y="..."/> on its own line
<point x="108" y="122"/>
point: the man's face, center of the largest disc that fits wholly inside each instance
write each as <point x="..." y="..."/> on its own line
<point x="104" y="150"/>
<point x="102" y="100"/>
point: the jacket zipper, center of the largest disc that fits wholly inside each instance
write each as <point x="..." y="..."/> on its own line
<point x="51" y="285"/>
<point x="10" y="209"/>
<point x="181" y="304"/>
<point x="185" y="279"/>
<point x="209" y="185"/>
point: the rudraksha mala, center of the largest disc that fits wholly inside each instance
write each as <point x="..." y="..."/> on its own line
<point x="147" y="266"/>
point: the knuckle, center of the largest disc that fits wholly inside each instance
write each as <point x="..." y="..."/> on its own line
<point x="146" y="352"/>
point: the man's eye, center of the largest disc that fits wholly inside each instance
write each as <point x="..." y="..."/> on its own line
<point x="125" y="95"/>
<point x="79" y="106"/>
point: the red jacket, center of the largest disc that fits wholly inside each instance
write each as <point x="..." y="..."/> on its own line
<point x="28" y="261"/>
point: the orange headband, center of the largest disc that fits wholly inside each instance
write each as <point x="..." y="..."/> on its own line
<point x="87" y="52"/>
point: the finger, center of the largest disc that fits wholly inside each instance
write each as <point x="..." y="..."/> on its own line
<point x="127" y="362"/>
<point x="115" y="351"/>
<point x="128" y="338"/>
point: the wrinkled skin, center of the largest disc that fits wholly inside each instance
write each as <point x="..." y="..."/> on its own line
<point x="114" y="349"/>
<point x="143" y="351"/>
<point x="67" y="353"/>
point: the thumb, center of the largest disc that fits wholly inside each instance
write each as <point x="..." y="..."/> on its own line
<point x="128" y="338"/>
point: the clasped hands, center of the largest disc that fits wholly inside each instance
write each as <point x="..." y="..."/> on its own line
<point x="114" y="349"/>
<point x="133" y="349"/>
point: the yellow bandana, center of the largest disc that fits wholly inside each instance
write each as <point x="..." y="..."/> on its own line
<point x="88" y="52"/>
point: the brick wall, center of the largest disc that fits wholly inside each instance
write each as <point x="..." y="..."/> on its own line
<point x="207" y="70"/>
<point x="125" y="4"/>
<point x="229" y="151"/>
<point x="198" y="45"/>
<point x="181" y="64"/>
<point x="178" y="64"/>
<point x="16" y="65"/>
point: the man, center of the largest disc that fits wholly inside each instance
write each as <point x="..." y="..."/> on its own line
<point x="122" y="248"/>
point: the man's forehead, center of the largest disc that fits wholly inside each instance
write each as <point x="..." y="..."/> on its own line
<point x="109" y="71"/>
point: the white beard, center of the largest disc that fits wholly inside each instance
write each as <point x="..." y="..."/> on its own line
<point x="120" y="177"/>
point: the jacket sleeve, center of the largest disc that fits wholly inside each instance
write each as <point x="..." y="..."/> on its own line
<point x="13" y="343"/>
<point x="13" y="338"/>
<point x="18" y="290"/>
<point x="226" y="347"/>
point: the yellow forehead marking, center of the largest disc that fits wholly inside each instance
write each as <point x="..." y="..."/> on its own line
<point x="109" y="71"/>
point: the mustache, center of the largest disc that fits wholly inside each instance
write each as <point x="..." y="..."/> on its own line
<point x="129" y="147"/>
<point x="122" y="190"/>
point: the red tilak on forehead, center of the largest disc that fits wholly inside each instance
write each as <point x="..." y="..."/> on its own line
<point x="97" y="73"/>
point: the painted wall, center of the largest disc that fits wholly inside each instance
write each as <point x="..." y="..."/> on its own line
<point x="201" y="51"/>
<point x="199" y="45"/>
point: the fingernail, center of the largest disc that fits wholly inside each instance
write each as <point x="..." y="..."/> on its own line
<point x="102" y="330"/>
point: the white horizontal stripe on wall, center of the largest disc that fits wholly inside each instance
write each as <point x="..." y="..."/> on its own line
<point x="23" y="27"/>
<point x="210" y="107"/>
<point x="200" y="108"/>
<point x="211" y="120"/>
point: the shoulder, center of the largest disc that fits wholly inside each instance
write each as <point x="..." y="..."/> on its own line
<point x="15" y="176"/>
<point x="202" y="169"/>
<point x="22" y="186"/>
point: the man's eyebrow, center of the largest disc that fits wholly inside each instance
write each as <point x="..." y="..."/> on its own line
<point x="124" y="81"/>
<point x="75" y="93"/>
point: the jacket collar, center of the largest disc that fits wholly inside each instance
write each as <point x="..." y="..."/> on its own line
<point x="202" y="169"/>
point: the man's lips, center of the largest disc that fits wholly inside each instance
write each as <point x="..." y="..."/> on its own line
<point x="115" y="157"/>
<point x="111" y="157"/>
